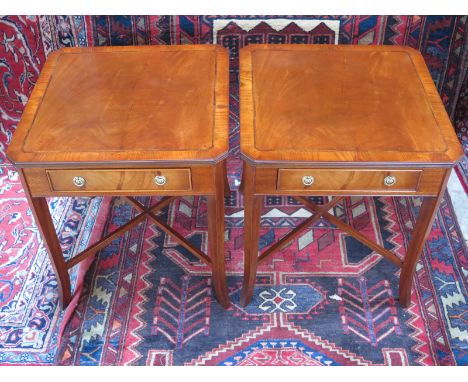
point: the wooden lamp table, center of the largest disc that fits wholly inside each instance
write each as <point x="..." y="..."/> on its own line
<point x="128" y="121"/>
<point x="340" y="121"/>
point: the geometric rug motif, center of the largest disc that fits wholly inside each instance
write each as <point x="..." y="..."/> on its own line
<point x="280" y="343"/>
<point x="30" y="313"/>
<point x="145" y="306"/>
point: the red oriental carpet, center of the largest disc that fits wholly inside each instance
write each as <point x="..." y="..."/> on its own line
<point x="324" y="300"/>
<point x="30" y="316"/>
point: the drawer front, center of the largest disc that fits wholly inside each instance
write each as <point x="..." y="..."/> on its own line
<point x="132" y="180"/>
<point x="352" y="180"/>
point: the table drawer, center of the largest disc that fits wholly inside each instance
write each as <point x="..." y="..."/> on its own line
<point x="352" y="180"/>
<point x="167" y="179"/>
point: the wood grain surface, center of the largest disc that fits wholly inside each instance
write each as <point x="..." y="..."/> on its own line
<point x="348" y="104"/>
<point x="120" y="180"/>
<point x="110" y="104"/>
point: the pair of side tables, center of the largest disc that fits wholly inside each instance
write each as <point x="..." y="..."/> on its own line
<point x="315" y="120"/>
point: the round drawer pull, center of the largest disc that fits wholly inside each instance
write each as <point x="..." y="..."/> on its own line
<point x="79" y="181"/>
<point x="308" y="180"/>
<point x="389" y="180"/>
<point x="160" y="180"/>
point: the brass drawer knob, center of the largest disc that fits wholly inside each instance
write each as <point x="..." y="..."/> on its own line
<point x="79" y="181"/>
<point x="308" y="180"/>
<point x="160" y="180"/>
<point x="389" y="180"/>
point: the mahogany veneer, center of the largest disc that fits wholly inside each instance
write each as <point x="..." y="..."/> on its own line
<point x="341" y="120"/>
<point x="128" y="121"/>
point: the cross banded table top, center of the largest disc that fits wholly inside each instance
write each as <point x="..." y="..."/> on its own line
<point x="342" y="104"/>
<point x="142" y="103"/>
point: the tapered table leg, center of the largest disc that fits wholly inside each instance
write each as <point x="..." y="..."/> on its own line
<point x="252" y="210"/>
<point x="227" y="189"/>
<point x="427" y="214"/>
<point x="216" y="236"/>
<point x="46" y="227"/>
<point x="241" y="186"/>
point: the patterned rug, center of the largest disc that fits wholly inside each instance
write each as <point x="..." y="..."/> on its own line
<point x="324" y="300"/>
<point x="30" y="316"/>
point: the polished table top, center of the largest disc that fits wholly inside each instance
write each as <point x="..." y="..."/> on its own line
<point x="127" y="104"/>
<point x="342" y="104"/>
